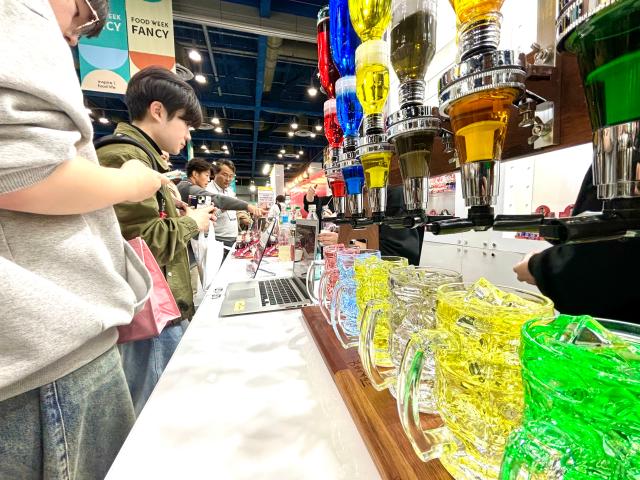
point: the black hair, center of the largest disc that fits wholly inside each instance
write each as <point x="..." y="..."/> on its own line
<point x="102" y="9"/>
<point x="226" y="163"/>
<point x="159" y="84"/>
<point x="280" y="198"/>
<point x="197" y="165"/>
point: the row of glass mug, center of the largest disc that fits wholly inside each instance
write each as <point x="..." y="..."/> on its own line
<point x="446" y="350"/>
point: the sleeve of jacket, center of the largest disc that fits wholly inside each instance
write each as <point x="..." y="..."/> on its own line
<point x="164" y="236"/>
<point x="597" y="278"/>
<point x="223" y="202"/>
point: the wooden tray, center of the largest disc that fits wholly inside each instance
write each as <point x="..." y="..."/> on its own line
<point x="374" y="413"/>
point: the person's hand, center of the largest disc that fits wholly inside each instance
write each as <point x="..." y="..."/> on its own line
<point x="181" y="206"/>
<point x="257" y="211"/>
<point x="143" y="180"/>
<point x="327" y="238"/>
<point x="521" y="269"/>
<point x="202" y="216"/>
<point x="311" y="193"/>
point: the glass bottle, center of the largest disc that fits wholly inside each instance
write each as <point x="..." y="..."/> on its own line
<point x="326" y="67"/>
<point x="332" y="129"/>
<point x="370" y="18"/>
<point x="344" y="39"/>
<point x="372" y="82"/>
<point x="413" y="45"/>
<point x="478" y="25"/>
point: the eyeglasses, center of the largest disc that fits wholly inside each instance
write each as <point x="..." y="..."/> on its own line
<point x="230" y="176"/>
<point x="92" y="27"/>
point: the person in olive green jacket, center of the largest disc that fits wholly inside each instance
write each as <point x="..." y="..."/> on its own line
<point x="162" y="107"/>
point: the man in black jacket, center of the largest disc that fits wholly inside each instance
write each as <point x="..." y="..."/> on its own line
<point x="596" y="278"/>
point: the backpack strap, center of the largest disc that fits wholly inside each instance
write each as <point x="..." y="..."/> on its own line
<point x="121" y="139"/>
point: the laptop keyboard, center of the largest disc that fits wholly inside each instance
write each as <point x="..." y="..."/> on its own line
<point x="278" y="291"/>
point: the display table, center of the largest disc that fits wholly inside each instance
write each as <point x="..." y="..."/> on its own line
<point x="246" y="397"/>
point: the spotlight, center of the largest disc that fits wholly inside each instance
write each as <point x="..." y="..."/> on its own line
<point x="218" y="130"/>
<point x="301" y="152"/>
<point x="318" y="128"/>
<point x="215" y="120"/>
<point x="226" y="152"/>
<point x="200" y="78"/>
<point x="291" y="134"/>
<point x="103" y="120"/>
<point x="312" y="91"/>
<point x="313" y="135"/>
<point x="294" y="125"/>
<point x="203" y="147"/>
<point x="298" y="157"/>
<point x="195" y="55"/>
<point x="283" y="151"/>
<point x="280" y="155"/>
<point x="252" y="187"/>
<point x="224" y="147"/>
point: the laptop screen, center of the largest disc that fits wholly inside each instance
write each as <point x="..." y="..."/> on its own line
<point x="306" y="235"/>
<point x="254" y="265"/>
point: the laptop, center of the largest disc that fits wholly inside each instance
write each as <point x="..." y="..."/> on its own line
<point x="257" y="296"/>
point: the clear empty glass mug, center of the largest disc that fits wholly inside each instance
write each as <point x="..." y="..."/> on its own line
<point x="345" y="313"/>
<point x="582" y="402"/>
<point x="327" y="263"/>
<point x="478" y="386"/>
<point x="411" y="307"/>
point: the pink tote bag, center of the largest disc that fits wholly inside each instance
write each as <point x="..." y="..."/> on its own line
<point x="160" y="309"/>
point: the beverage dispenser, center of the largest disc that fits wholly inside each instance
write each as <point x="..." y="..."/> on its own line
<point x="413" y="128"/>
<point x="605" y="37"/>
<point x="327" y="70"/>
<point x="344" y="42"/>
<point x="370" y="18"/>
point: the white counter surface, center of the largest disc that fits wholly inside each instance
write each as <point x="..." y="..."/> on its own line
<point x="245" y="397"/>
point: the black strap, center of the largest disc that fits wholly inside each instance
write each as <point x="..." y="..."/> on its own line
<point x="122" y="139"/>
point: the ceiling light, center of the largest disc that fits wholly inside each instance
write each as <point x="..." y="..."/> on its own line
<point x="294" y="125"/>
<point x="226" y="152"/>
<point x="224" y="147"/>
<point x="252" y="187"/>
<point x="318" y="128"/>
<point x="301" y="152"/>
<point x="288" y="165"/>
<point x="282" y="150"/>
<point x="312" y="91"/>
<point x="200" y="78"/>
<point x="203" y="147"/>
<point x="218" y="129"/>
<point x="195" y="55"/>
<point x="280" y="155"/>
<point x="215" y="120"/>
<point x="103" y="120"/>
<point x="266" y="168"/>
<point x="298" y="157"/>
<point x="291" y="134"/>
<point x="313" y="135"/>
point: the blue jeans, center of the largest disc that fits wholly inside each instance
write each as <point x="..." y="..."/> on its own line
<point x="145" y="360"/>
<point x="69" y="429"/>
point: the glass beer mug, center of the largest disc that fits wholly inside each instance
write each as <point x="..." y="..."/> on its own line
<point x="410" y="308"/>
<point x="582" y="401"/>
<point x="372" y="284"/>
<point x="328" y="262"/>
<point x="345" y="313"/>
<point x="330" y="278"/>
<point x="478" y="387"/>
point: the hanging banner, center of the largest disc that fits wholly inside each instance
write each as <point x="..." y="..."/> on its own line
<point x="150" y="28"/>
<point x="104" y="60"/>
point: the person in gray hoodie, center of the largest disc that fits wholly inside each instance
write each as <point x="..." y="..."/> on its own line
<point x="67" y="278"/>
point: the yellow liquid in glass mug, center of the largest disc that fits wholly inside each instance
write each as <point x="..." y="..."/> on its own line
<point x="479" y="123"/>
<point x="471" y="9"/>
<point x="478" y="380"/>
<point x="372" y="283"/>
<point x="370" y="18"/>
<point x="376" y="169"/>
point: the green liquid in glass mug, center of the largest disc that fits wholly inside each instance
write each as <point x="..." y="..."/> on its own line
<point x="582" y="402"/>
